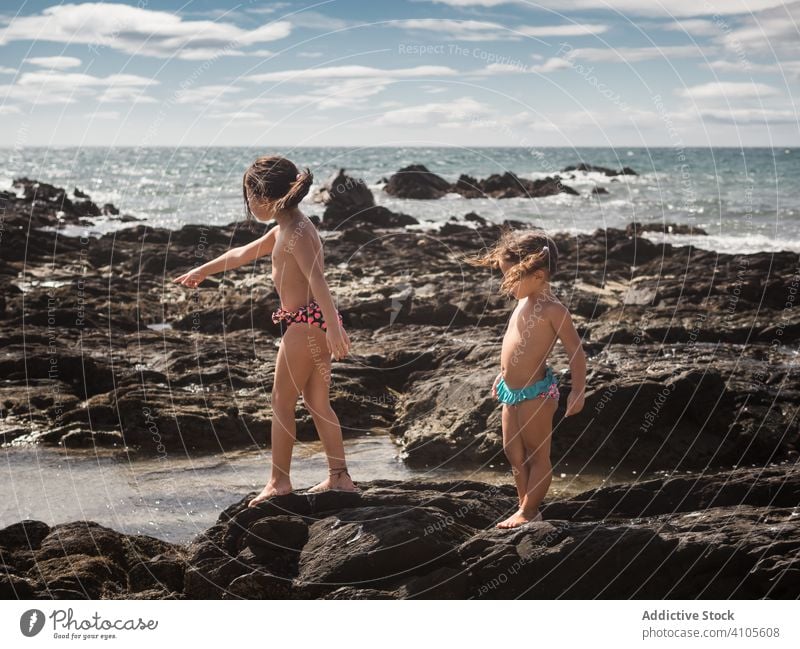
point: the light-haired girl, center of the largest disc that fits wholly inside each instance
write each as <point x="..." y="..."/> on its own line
<point x="526" y="384"/>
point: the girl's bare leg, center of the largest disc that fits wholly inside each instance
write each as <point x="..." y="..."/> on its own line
<point x="515" y="450"/>
<point x="292" y="368"/>
<point x="316" y="396"/>
<point x="536" y="426"/>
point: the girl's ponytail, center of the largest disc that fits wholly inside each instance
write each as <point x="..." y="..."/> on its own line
<point x="297" y="190"/>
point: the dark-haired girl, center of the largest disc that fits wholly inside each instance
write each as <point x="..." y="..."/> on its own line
<point x="526" y="384"/>
<point x="311" y="327"/>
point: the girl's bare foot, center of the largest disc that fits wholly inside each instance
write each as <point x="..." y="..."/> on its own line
<point x="337" y="480"/>
<point x="519" y="518"/>
<point x="273" y="488"/>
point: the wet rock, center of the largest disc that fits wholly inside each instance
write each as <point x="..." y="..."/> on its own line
<point x="509" y="185"/>
<point x="729" y="534"/>
<point x="415" y="181"/>
<point x="625" y="171"/>
<point x="667" y="228"/>
<point x="349" y="203"/>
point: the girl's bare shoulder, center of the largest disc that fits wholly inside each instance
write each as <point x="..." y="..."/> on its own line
<point x="555" y="310"/>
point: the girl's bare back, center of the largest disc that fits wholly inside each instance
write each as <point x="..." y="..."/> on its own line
<point x="528" y="341"/>
<point x="290" y="282"/>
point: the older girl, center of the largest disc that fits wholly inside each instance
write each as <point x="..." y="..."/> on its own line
<point x="311" y="327"/>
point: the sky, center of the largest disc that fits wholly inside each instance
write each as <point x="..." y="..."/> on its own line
<point x="402" y="73"/>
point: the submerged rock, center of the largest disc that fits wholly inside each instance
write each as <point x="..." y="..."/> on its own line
<point x="625" y="171"/>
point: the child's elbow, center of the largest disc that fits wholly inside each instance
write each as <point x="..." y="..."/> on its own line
<point x="579" y="356"/>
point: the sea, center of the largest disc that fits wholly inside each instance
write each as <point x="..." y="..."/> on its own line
<point x="745" y="199"/>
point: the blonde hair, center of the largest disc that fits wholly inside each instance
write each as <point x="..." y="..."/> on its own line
<point x="527" y="251"/>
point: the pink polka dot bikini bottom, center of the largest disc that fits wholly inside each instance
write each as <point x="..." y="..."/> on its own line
<point x="309" y="314"/>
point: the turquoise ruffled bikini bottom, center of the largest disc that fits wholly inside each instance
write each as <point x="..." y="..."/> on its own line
<point x="547" y="388"/>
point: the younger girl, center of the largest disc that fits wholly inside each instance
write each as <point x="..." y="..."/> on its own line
<point x="526" y="385"/>
<point x="311" y="327"/>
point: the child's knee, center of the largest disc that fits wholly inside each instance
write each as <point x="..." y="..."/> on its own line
<point x="318" y="406"/>
<point x="283" y="403"/>
<point x="515" y="457"/>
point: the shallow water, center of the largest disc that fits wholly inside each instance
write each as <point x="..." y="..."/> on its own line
<point x="176" y="498"/>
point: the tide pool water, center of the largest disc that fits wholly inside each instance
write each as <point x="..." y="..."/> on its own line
<point x="176" y="498"/>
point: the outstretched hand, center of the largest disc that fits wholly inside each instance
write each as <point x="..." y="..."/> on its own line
<point x="338" y="341"/>
<point x="192" y="278"/>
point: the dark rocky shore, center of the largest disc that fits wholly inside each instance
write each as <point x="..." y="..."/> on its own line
<point x="726" y="535"/>
<point x="691" y="368"/>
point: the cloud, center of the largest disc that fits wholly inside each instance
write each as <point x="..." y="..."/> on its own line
<point x="55" y="62"/>
<point x="633" y="54"/>
<point x="4" y="70"/>
<point x="569" y="29"/>
<point x="481" y="30"/>
<point x="727" y="90"/>
<point x="135" y="30"/>
<point x="352" y="72"/>
<point x="773" y="32"/>
<point x="748" y="116"/>
<point x="251" y="117"/>
<point x="462" y="30"/>
<point x="780" y="68"/>
<point x="343" y="86"/>
<point x="692" y="26"/>
<point x="634" y="7"/>
<point x="50" y="87"/>
<point x="553" y="64"/>
<point x="10" y="110"/>
<point x="316" y="20"/>
<point x="203" y="94"/>
<point x="452" y="114"/>
<point x="103" y="114"/>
